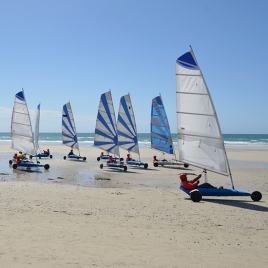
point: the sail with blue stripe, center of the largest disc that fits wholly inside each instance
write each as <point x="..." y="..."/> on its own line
<point x="69" y="135"/>
<point x="105" y="136"/>
<point x="126" y="126"/>
<point x="161" y="139"/>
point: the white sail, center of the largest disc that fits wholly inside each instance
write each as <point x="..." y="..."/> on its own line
<point x="200" y="139"/>
<point x="21" y="128"/>
<point x="36" y="128"/>
<point x="69" y="135"/>
<point x="106" y="136"/>
<point x="126" y="126"/>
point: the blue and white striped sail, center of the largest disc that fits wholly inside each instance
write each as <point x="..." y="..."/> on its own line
<point x="106" y="136"/>
<point x="199" y="135"/>
<point x="36" y="127"/>
<point x="161" y="139"/>
<point x="21" y="128"/>
<point x="69" y="135"/>
<point x="126" y="126"/>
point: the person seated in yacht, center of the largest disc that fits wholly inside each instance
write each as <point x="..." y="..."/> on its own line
<point x="71" y="152"/>
<point x="129" y="158"/>
<point x="47" y="152"/>
<point x="155" y="159"/>
<point x="111" y="159"/>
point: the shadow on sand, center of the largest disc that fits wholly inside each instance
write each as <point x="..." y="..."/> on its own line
<point x="251" y="205"/>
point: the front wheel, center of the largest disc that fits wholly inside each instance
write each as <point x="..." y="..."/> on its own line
<point x="101" y="166"/>
<point x="10" y="162"/>
<point x="15" y="166"/>
<point x="196" y="196"/>
<point x="46" y="166"/>
<point x="98" y="158"/>
<point x="186" y="165"/>
<point x="64" y="157"/>
<point x="155" y="164"/>
<point x="31" y="156"/>
<point x="50" y="156"/>
<point x="145" y="165"/>
<point x="84" y="158"/>
<point x="256" y="196"/>
<point x="125" y="168"/>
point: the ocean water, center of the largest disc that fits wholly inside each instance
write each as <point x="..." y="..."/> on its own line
<point x="87" y="139"/>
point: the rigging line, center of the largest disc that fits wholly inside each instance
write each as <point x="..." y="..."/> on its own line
<point x="191" y="93"/>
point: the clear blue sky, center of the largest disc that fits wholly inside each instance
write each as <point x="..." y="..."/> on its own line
<point x="60" y="51"/>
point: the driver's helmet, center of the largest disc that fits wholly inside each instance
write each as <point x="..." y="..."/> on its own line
<point x="183" y="177"/>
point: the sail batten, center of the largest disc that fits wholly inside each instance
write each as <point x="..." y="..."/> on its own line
<point x="200" y="139"/>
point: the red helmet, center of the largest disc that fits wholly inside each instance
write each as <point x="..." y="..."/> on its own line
<point x="154" y="156"/>
<point x="110" y="157"/>
<point x="128" y="154"/>
<point x="183" y="177"/>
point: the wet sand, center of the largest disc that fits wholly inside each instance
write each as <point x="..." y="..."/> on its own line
<point x="78" y="215"/>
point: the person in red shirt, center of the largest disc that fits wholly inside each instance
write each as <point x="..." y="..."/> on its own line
<point x="111" y="159"/>
<point x="191" y="184"/>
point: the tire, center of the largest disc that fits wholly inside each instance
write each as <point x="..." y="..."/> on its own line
<point x="51" y="156"/>
<point x="64" y="157"/>
<point x="125" y="168"/>
<point x="196" y="196"/>
<point x="10" y="162"/>
<point x="84" y="158"/>
<point x="256" y="196"/>
<point x="38" y="162"/>
<point x="31" y="157"/>
<point x="155" y="164"/>
<point x="145" y="165"/>
<point x="15" y="166"/>
<point x="98" y="158"/>
<point x="186" y="165"/>
<point x="46" y="166"/>
<point x="101" y="166"/>
<point x="121" y="159"/>
<point x="39" y="157"/>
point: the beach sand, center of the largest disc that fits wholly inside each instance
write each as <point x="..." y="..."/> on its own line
<point x="78" y="215"/>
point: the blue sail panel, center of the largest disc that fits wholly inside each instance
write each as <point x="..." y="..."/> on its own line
<point x="160" y="131"/>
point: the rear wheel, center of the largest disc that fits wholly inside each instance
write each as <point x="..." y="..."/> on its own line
<point x="84" y="158"/>
<point x="155" y="164"/>
<point x="10" y="162"/>
<point x="186" y="165"/>
<point x="145" y="165"/>
<point x="64" y="157"/>
<point x="46" y="166"/>
<point x="50" y="156"/>
<point x="101" y="166"/>
<point x="31" y="156"/>
<point x="15" y="166"/>
<point x="98" y="158"/>
<point x="196" y="196"/>
<point x="256" y="196"/>
<point x="121" y="159"/>
<point x="125" y="168"/>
